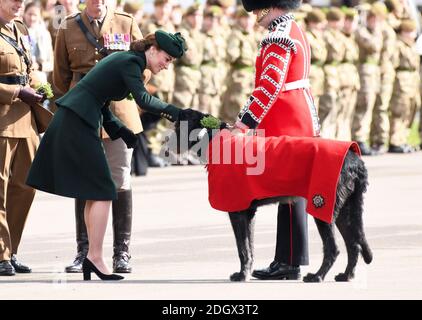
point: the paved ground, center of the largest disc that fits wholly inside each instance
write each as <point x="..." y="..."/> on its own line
<point x="183" y="249"/>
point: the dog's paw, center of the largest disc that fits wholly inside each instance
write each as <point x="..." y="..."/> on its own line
<point x="311" y="277"/>
<point x="240" y="276"/>
<point x="342" y="277"/>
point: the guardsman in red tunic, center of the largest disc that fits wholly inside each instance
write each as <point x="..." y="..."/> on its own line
<point x="282" y="104"/>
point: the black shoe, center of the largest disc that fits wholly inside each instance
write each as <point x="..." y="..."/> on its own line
<point x="89" y="267"/>
<point x="379" y="149"/>
<point x="157" y="162"/>
<point x="278" y="271"/>
<point x="6" y="268"/>
<point x="121" y="263"/>
<point x="404" y="148"/>
<point x="19" y="267"/>
<point x="76" y="266"/>
<point x="364" y="149"/>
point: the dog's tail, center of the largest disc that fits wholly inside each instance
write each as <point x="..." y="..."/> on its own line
<point x="361" y="184"/>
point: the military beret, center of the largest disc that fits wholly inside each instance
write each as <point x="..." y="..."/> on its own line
<point x="133" y="6"/>
<point x="350" y="13"/>
<point x="221" y="3"/>
<point x="241" y="12"/>
<point x="305" y="7"/>
<point x="160" y="2"/>
<point x="173" y="44"/>
<point x="335" y="14"/>
<point x="193" y="9"/>
<point x="378" y="9"/>
<point x="393" y="5"/>
<point x="213" y="11"/>
<point x="316" y="15"/>
<point x="408" y="25"/>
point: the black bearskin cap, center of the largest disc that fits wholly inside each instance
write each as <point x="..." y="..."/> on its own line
<point x="262" y="4"/>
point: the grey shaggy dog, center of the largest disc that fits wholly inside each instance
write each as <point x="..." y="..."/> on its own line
<point x="347" y="215"/>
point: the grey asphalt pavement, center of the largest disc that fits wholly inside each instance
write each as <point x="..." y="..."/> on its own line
<point x="183" y="249"/>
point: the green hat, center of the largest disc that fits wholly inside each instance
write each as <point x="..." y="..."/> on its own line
<point x="378" y="9"/>
<point x="408" y="25"/>
<point x="316" y="16"/>
<point x="350" y="13"/>
<point x="193" y="9"/>
<point x="213" y="11"/>
<point x="173" y="44"/>
<point x="335" y="14"/>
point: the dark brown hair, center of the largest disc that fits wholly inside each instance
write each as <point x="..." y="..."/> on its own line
<point x="145" y="43"/>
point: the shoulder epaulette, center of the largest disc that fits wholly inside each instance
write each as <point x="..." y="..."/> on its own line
<point x="121" y="13"/>
<point x="71" y="16"/>
<point x="279" y="37"/>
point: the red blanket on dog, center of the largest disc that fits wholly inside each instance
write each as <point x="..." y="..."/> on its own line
<point x="278" y="166"/>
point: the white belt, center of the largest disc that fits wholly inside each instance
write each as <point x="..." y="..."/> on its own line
<point x="298" y="84"/>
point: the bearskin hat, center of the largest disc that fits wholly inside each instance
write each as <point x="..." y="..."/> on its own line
<point x="262" y="4"/>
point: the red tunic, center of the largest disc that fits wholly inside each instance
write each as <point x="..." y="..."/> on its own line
<point x="281" y="102"/>
<point x="291" y="166"/>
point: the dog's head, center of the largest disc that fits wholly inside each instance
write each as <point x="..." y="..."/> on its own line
<point x="189" y="130"/>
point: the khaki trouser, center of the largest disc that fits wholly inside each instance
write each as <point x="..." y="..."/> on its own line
<point x="156" y="136"/>
<point x="119" y="158"/>
<point x="380" y="123"/>
<point x="329" y="102"/>
<point x="369" y="88"/>
<point x="404" y="106"/>
<point x="347" y="104"/>
<point x="16" y="155"/>
<point x="209" y="103"/>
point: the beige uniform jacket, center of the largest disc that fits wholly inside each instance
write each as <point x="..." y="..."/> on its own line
<point x="75" y="55"/>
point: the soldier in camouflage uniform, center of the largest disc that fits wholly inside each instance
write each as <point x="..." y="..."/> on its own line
<point x="406" y="95"/>
<point x="329" y="102"/>
<point x="348" y="77"/>
<point x="187" y="71"/>
<point x="380" y="122"/>
<point x="315" y="23"/>
<point x="369" y="39"/>
<point x="161" y="85"/>
<point x="212" y="76"/>
<point x="241" y="51"/>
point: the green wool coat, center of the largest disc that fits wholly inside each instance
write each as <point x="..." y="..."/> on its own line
<point x="70" y="160"/>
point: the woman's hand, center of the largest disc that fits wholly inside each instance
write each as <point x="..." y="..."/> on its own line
<point x="128" y="137"/>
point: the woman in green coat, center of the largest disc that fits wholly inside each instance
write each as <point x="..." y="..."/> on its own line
<point x="71" y="162"/>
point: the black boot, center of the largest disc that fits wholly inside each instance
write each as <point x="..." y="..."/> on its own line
<point x="292" y="243"/>
<point x="122" y="229"/>
<point x="81" y="238"/>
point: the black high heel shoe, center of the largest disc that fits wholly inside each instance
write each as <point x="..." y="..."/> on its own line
<point x="88" y="267"/>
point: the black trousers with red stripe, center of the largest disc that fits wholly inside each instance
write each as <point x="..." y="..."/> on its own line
<point x="292" y="234"/>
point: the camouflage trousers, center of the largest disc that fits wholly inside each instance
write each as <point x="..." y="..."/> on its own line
<point x="157" y="135"/>
<point x="380" y="125"/>
<point x="210" y="103"/>
<point x="347" y="105"/>
<point x="327" y="112"/>
<point x="403" y="110"/>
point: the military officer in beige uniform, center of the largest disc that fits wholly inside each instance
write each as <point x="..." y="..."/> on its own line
<point x="406" y="96"/>
<point x="241" y="52"/>
<point x="315" y="24"/>
<point x="329" y="102"/>
<point x="187" y="71"/>
<point x="369" y="39"/>
<point x="348" y="77"/>
<point x="380" y="123"/>
<point x="161" y="84"/>
<point x="212" y="75"/>
<point x="75" y="55"/>
<point x="18" y="134"/>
